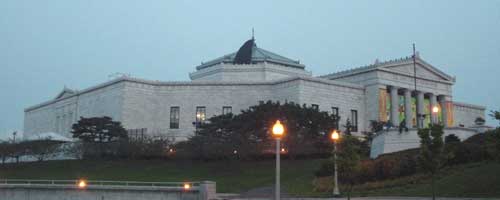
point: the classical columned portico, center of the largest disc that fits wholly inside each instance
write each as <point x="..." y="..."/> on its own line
<point x="420" y="109"/>
<point x="444" y="110"/>
<point x="394" y="106"/>
<point x="408" y="111"/>
<point x="421" y="112"/>
<point x="433" y="102"/>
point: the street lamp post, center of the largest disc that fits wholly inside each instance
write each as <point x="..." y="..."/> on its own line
<point x="14" y="136"/>
<point x="278" y="132"/>
<point x="335" y="136"/>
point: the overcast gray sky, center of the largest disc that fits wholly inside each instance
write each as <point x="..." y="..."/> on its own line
<point x="45" y="45"/>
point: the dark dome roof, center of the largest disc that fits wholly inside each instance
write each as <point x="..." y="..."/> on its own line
<point x="244" y="55"/>
<point x="249" y="53"/>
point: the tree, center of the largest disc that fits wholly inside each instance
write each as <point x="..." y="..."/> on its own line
<point x="98" y="129"/>
<point x="495" y="114"/>
<point x="348" y="127"/>
<point x="97" y="134"/>
<point x="5" y="149"/>
<point x="42" y="149"/>
<point x="248" y="133"/>
<point x="453" y="149"/>
<point x="348" y="160"/>
<point x="479" y="121"/>
<point x="431" y="151"/>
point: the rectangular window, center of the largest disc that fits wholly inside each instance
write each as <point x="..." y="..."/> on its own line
<point x="335" y="111"/>
<point x="200" y="114"/>
<point x="226" y="110"/>
<point x="354" y="120"/>
<point x="315" y="106"/>
<point x="174" y="117"/>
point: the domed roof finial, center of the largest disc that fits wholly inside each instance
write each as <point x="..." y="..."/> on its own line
<point x="253" y="38"/>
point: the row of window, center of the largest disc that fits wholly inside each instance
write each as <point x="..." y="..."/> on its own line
<point x="200" y="117"/>
<point x="353" y="118"/>
<point x="201" y="112"/>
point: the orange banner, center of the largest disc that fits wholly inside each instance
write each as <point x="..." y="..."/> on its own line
<point x="382" y="105"/>
<point x="449" y="113"/>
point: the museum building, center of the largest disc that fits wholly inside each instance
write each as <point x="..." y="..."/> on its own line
<point x="401" y="91"/>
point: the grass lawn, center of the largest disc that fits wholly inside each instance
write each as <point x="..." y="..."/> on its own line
<point x="231" y="176"/>
<point x="470" y="180"/>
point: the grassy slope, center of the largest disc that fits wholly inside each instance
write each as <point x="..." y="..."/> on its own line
<point x="479" y="179"/>
<point x="470" y="180"/>
<point x="231" y="176"/>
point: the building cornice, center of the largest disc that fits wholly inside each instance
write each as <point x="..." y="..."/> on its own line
<point x="467" y="105"/>
<point x="260" y="67"/>
<point x="390" y="63"/>
<point x="198" y="83"/>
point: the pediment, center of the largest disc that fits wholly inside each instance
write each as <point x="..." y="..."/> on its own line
<point x="424" y="70"/>
<point x="64" y="93"/>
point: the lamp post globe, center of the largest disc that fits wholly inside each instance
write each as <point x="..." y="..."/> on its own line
<point x="335" y="136"/>
<point x="435" y="109"/>
<point x="278" y="131"/>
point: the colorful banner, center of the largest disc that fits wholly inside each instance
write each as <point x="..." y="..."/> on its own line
<point x="414" y="112"/>
<point x="382" y="105"/>
<point x="401" y="109"/>
<point x="427" y="112"/>
<point x="449" y="113"/>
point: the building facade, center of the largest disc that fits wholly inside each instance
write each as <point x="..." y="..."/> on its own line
<point x="382" y="91"/>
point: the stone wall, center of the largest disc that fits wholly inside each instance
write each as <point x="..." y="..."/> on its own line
<point x="466" y="114"/>
<point x="59" y="114"/>
<point x="247" y="72"/>
<point x="205" y="191"/>
<point x="393" y="141"/>
<point x="336" y="94"/>
<point x="147" y="105"/>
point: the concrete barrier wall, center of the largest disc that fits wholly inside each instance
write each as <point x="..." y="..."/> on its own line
<point x="205" y="191"/>
<point x="393" y="141"/>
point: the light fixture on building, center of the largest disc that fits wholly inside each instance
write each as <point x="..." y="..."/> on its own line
<point x="435" y="109"/>
<point x="82" y="184"/>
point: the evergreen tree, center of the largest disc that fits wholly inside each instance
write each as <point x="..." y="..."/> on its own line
<point x="431" y="151"/>
<point x="349" y="162"/>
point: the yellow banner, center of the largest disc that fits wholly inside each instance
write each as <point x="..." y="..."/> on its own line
<point x="449" y="113"/>
<point x="382" y="105"/>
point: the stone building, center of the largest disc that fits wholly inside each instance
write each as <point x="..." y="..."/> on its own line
<point x="252" y="75"/>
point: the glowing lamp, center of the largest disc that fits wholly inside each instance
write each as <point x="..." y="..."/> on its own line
<point x="435" y="109"/>
<point x="278" y="129"/>
<point x="187" y="186"/>
<point x="82" y="184"/>
<point x="335" y="135"/>
<point x="283" y="149"/>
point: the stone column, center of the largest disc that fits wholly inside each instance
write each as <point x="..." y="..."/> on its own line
<point x="444" y="110"/>
<point x="433" y="100"/>
<point x="420" y="109"/>
<point x="394" y="106"/>
<point x="408" y="111"/>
